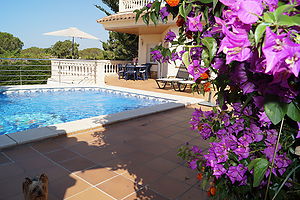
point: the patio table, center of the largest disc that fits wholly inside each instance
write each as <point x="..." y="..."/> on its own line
<point x="135" y="71"/>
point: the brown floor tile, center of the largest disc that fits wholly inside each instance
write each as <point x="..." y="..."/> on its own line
<point x="184" y="174"/>
<point x="67" y="186"/>
<point x="145" y="194"/>
<point x="161" y="165"/>
<point x="194" y="194"/>
<point x="77" y="164"/>
<point x="172" y="156"/>
<point x="100" y="155"/>
<point x="46" y="146"/>
<point x="142" y="175"/>
<point x="11" y="187"/>
<point x="137" y="158"/>
<point x="91" y="194"/>
<point x="119" y="187"/>
<point x="169" y="187"/>
<point x="181" y="137"/>
<point x="96" y="174"/>
<point x="35" y="163"/>
<point x="84" y="147"/>
<point x="10" y="170"/>
<point x="20" y="152"/>
<point x="61" y="155"/>
<point x="3" y="159"/>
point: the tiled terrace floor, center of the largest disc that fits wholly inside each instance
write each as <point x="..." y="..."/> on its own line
<point x="129" y="160"/>
<point x="150" y="85"/>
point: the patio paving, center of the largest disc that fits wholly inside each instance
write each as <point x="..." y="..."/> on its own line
<point x="135" y="159"/>
<point x="150" y="85"/>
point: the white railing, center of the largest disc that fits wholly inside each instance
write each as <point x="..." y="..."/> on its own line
<point x="88" y="72"/>
<point x="130" y="5"/>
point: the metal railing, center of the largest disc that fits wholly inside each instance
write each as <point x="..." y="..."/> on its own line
<point x="20" y="71"/>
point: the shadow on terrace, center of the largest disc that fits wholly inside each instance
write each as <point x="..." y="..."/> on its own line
<point x="134" y="159"/>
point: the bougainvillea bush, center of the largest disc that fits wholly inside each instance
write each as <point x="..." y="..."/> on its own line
<point x="253" y="47"/>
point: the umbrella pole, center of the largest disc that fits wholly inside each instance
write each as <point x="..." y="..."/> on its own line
<point x="73" y="41"/>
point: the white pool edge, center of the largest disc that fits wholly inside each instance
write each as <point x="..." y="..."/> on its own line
<point x="36" y="134"/>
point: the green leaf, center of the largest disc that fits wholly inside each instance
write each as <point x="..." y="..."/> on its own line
<point x="259" y="31"/>
<point x="282" y="9"/>
<point x="293" y="112"/>
<point x="206" y="1"/>
<point x="215" y="2"/>
<point x="260" y="169"/>
<point x="211" y="44"/>
<point x="153" y="17"/>
<point x="275" y="111"/>
<point x="185" y="59"/>
<point x="285" y="20"/>
<point x="252" y="163"/>
<point x="269" y="17"/>
<point x="183" y="11"/>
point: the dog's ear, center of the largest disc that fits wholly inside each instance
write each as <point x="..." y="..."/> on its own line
<point x="43" y="178"/>
<point x="26" y="183"/>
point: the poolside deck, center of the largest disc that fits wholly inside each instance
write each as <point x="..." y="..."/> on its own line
<point x="134" y="159"/>
<point x="150" y="85"/>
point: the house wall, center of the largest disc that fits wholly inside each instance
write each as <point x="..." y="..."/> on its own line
<point x="147" y="41"/>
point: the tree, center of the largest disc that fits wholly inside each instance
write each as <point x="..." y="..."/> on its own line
<point x="91" y="54"/>
<point x="9" y="45"/>
<point x="64" y="49"/>
<point x="35" y="52"/>
<point x="119" y="46"/>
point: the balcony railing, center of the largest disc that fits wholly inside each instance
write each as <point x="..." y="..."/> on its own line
<point x="130" y="5"/>
<point x="23" y="71"/>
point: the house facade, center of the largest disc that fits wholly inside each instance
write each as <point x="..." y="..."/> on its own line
<point x="149" y="35"/>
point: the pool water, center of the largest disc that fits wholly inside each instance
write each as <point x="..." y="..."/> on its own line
<point x="22" y="111"/>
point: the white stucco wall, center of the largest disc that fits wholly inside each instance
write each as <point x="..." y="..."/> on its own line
<point x="150" y="40"/>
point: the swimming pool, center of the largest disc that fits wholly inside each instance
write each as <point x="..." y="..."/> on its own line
<point x="27" y="109"/>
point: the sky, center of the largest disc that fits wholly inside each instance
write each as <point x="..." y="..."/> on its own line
<point x="29" y="19"/>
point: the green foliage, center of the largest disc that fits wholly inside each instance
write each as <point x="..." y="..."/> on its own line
<point x="35" y="52"/>
<point x="120" y="46"/>
<point x="9" y="45"/>
<point x="260" y="166"/>
<point x="91" y="54"/>
<point x="64" y="49"/>
<point x="275" y="111"/>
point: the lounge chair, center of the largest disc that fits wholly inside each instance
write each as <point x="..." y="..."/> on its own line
<point x="182" y="75"/>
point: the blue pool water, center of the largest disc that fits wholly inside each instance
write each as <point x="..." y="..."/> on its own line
<point x="22" y="111"/>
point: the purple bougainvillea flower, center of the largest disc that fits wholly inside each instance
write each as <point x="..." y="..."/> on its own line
<point x="156" y="55"/>
<point x="249" y="10"/>
<point x="273" y="4"/>
<point x="175" y="56"/>
<point x="164" y="13"/>
<point x="195" y="69"/>
<point x="170" y="36"/>
<point x="165" y="59"/>
<point x="234" y="44"/>
<point x="149" y="5"/>
<point x="272" y="49"/>
<point x="194" y="24"/>
<point x="196" y="150"/>
<point x="219" y="170"/>
<point x="193" y="164"/>
<point x="298" y="135"/>
<point x="292" y="56"/>
<point x="237" y="174"/>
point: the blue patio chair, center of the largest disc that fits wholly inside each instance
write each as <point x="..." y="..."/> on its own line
<point x="130" y="71"/>
<point x="143" y="72"/>
<point x="121" y="71"/>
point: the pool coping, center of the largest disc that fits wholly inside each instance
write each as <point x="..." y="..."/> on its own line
<point x="68" y="128"/>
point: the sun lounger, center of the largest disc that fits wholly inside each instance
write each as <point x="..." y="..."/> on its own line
<point x="182" y="75"/>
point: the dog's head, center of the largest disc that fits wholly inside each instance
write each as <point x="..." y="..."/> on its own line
<point x="36" y="189"/>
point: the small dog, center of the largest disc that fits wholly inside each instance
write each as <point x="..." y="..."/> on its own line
<point x="36" y="188"/>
